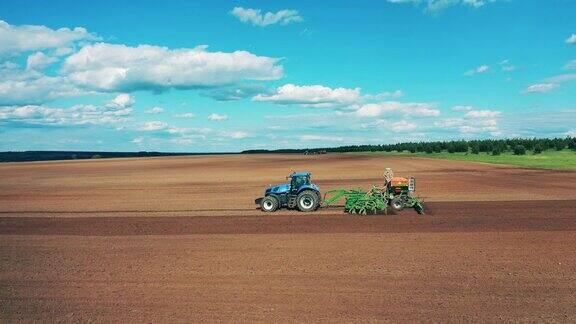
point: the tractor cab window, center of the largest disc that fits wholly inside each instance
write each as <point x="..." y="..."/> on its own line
<point x="297" y="182"/>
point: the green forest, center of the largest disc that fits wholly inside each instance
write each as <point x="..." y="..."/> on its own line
<point x="517" y="146"/>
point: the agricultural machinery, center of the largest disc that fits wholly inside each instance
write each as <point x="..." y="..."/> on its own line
<point x="299" y="193"/>
<point x="396" y="194"/>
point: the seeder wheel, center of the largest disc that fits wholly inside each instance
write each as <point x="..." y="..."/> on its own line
<point x="397" y="204"/>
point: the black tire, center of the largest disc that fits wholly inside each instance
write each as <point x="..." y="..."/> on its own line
<point x="307" y="201"/>
<point x="269" y="204"/>
<point x="396" y="205"/>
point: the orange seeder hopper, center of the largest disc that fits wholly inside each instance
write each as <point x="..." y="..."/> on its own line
<point x="399" y="182"/>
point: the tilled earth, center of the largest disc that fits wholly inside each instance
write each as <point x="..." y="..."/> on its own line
<point x="179" y="239"/>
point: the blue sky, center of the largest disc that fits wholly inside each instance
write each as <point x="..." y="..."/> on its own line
<point x="235" y="75"/>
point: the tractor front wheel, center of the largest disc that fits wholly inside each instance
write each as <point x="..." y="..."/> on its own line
<point x="269" y="204"/>
<point x="307" y="201"/>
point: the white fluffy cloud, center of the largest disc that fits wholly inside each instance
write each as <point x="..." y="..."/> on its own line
<point x="123" y="100"/>
<point x="562" y="78"/>
<point x="23" y="87"/>
<point x="313" y="96"/>
<point x="75" y="115"/>
<point x="39" y="61"/>
<point x="386" y="94"/>
<point x="35" y="90"/>
<point x="438" y="5"/>
<point x="114" y="111"/>
<point x="550" y="84"/>
<point x="473" y="122"/>
<point x="238" y="135"/>
<point x="20" y="87"/>
<point x="155" y="110"/>
<point x="217" y="117"/>
<point x="571" y="39"/>
<point x="478" y="70"/>
<point x="403" y="126"/>
<point x="15" y="39"/>
<point x="482" y="114"/>
<point x="110" y="67"/>
<point x="506" y="66"/>
<point x="540" y="88"/>
<point x="152" y="126"/>
<point x="256" y="18"/>
<point x="395" y="107"/>
<point x="571" y="65"/>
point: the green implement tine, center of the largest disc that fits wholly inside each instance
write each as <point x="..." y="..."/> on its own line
<point x="338" y="194"/>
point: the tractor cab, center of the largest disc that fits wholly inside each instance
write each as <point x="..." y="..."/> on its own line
<point x="298" y="180"/>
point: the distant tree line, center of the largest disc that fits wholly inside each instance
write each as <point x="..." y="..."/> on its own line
<point x="518" y="146"/>
<point x="27" y="156"/>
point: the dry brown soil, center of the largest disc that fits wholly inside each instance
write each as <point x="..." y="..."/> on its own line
<point x="180" y="240"/>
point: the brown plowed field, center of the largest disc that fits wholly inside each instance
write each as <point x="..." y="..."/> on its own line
<point x="180" y="240"/>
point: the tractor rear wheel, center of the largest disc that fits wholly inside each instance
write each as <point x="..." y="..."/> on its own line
<point x="307" y="201"/>
<point x="269" y="204"/>
<point x="396" y="205"/>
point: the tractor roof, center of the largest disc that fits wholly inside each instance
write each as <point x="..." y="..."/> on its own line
<point x="300" y="174"/>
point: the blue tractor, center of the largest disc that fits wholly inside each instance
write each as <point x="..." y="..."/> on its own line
<point x="299" y="194"/>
